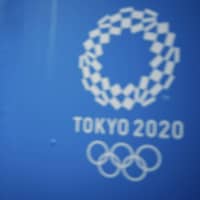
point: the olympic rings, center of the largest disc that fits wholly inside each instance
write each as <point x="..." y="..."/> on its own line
<point x="122" y="165"/>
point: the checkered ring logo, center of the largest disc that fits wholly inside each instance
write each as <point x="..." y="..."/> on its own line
<point x="161" y="77"/>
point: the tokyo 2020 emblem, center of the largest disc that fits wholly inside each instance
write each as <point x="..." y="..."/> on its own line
<point x="161" y="76"/>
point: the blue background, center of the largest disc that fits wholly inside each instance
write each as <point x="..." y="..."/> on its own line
<point x="40" y="92"/>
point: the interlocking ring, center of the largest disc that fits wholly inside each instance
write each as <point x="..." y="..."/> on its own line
<point x="101" y="161"/>
<point x="162" y="65"/>
<point x="122" y="165"/>
<point x="141" y="163"/>
<point x="118" y="162"/>
<point x="157" y="153"/>
<point x="108" y="155"/>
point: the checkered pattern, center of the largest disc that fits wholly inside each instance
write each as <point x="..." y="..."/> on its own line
<point x="162" y="74"/>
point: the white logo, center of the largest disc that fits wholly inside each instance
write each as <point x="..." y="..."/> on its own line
<point x="123" y="164"/>
<point x="162" y="65"/>
<point x="160" y="78"/>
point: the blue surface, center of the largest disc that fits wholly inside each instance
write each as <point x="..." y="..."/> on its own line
<point x="40" y="155"/>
